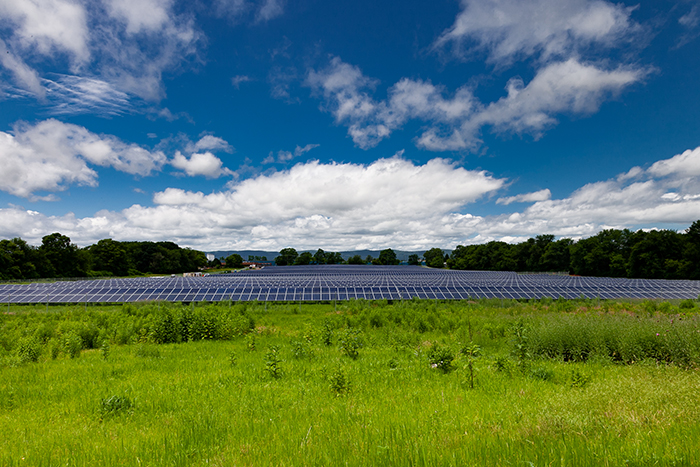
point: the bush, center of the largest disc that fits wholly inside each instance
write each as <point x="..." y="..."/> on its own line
<point x="339" y="382"/>
<point x="29" y="349"/>
<point x="72" y="344"/>
<point x="350" y="342"/>
<point x="441" y="357"/>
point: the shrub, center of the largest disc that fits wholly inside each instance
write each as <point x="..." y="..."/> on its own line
<point x="29" y="349"/>
<point x="441" y="357"/>
<point x="339" y="382"/>
<point x="72" y="344"/>
<point x="350" y="342"/>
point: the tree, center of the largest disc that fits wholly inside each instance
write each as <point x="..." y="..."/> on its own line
<point x="413" y="260"/>
<point x="388" y="257"/>
<point x="357" y="259"/>
<point x="63" y="256"/>
<point x="234" y="261"/>
<point x="334" y="258"/>
<point x="434" y="258"/>
<point x="287" y="257"/>
<point x="110" y="256"/>
<point x="320" y="257"/>
<point x="304" y="259"/>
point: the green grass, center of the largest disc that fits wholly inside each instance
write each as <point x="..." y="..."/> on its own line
<point x="217" y="402"/>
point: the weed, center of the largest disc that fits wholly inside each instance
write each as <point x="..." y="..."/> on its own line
<point x="272" y="362"/>
<point x="541" y="373"/>
<point x="339" y="382"/>
<point x="104" y="348"/>
<point x="441" y="357"/>
<point x="504" y="365"/>
<point x="115" y="405"/>
<point x="72" y="345"/>
<point x="301" y="349"/>
<point x="578" y="379"/>
<point x="471" y="351"/>
<point x="327" y="333"/>
<point x="350" y="342"/>
<point x="250" y="342"/>
<point x="232" y="358"/>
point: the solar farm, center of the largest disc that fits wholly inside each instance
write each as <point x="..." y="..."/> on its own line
<point x="330" y="283"/>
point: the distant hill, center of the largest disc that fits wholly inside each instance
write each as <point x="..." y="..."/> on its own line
<point x="271" y="255"/>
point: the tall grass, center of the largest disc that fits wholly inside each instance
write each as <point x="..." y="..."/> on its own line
<point x="297" y="401"/>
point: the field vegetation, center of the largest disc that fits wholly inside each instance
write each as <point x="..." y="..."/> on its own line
<point x="488" y="382"/>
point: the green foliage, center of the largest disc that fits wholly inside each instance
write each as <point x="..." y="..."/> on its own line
<point x="339" y="382"/>
<point x="578" y="378"/>
<point x="72" y="344"/>
<point x="434" y="258"/>
<point x="350" y="342"/>
<point x="29" y="349"/>
<point x="272" y="362"/>
<point x="234" y="261"/>
<point x="115" y="405"/>
<point x="441" y="357"/>
<point x="287" y="257"/>
<point x="542" y="373"/>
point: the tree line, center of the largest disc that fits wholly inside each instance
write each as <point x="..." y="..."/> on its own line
<point x="58" y="257"/>
<point x="655" y="254"/>
<point x="289" y="256"/>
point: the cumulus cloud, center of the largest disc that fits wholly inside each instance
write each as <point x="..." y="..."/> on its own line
<point x="125" y="43"/>
<point x="508" y="30"/>
<point x="52" y="155"/>
<point x="206" y="164"/>
<point x="541" y="195"/>
<point x="311" y="204"/>
<point x="389" y="203"/>
<point x="456" y="122"/>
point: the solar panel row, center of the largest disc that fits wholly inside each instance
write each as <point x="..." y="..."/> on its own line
<point x="327" y="283"/>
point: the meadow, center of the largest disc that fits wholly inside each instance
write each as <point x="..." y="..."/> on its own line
<point x="486" y="382"/>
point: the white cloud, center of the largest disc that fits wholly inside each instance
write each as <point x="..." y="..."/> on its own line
<point x="389" y="203"/>
<point x="286" y="156"/>
<point x="25" y="76"/>
<point x="456" y="122"/>
<point x="238" y="79"/>
<point x="270" y="9"/>
<point x="52" y="155"/>
<point x="48" y="26"/>
<point x="686" y="164"/>
<point x="263" y="10"/>
<point x="127" y="44"/>
<point x="541" y="195"/>
<point x="206" y="164"/>
<point x="70" y="94"/>
<point x="508" y="30"/>
<point x="209" y="142"/>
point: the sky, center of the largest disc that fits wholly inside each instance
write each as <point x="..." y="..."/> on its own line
<point x="364" y="124"/>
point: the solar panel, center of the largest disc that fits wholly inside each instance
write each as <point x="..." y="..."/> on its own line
<point x="342" y="282"/>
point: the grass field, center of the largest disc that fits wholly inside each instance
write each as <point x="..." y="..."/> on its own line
<point x="358" y="383"/>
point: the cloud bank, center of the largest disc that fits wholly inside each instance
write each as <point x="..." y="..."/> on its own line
<point x="388" y="203"/>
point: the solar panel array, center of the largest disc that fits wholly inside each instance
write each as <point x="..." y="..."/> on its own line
<point x="341" y="282"/>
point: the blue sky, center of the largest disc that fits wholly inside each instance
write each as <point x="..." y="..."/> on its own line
<point x="242" y="124"/>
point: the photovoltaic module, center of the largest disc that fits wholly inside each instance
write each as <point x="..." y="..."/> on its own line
<point x="344" y="282"/>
